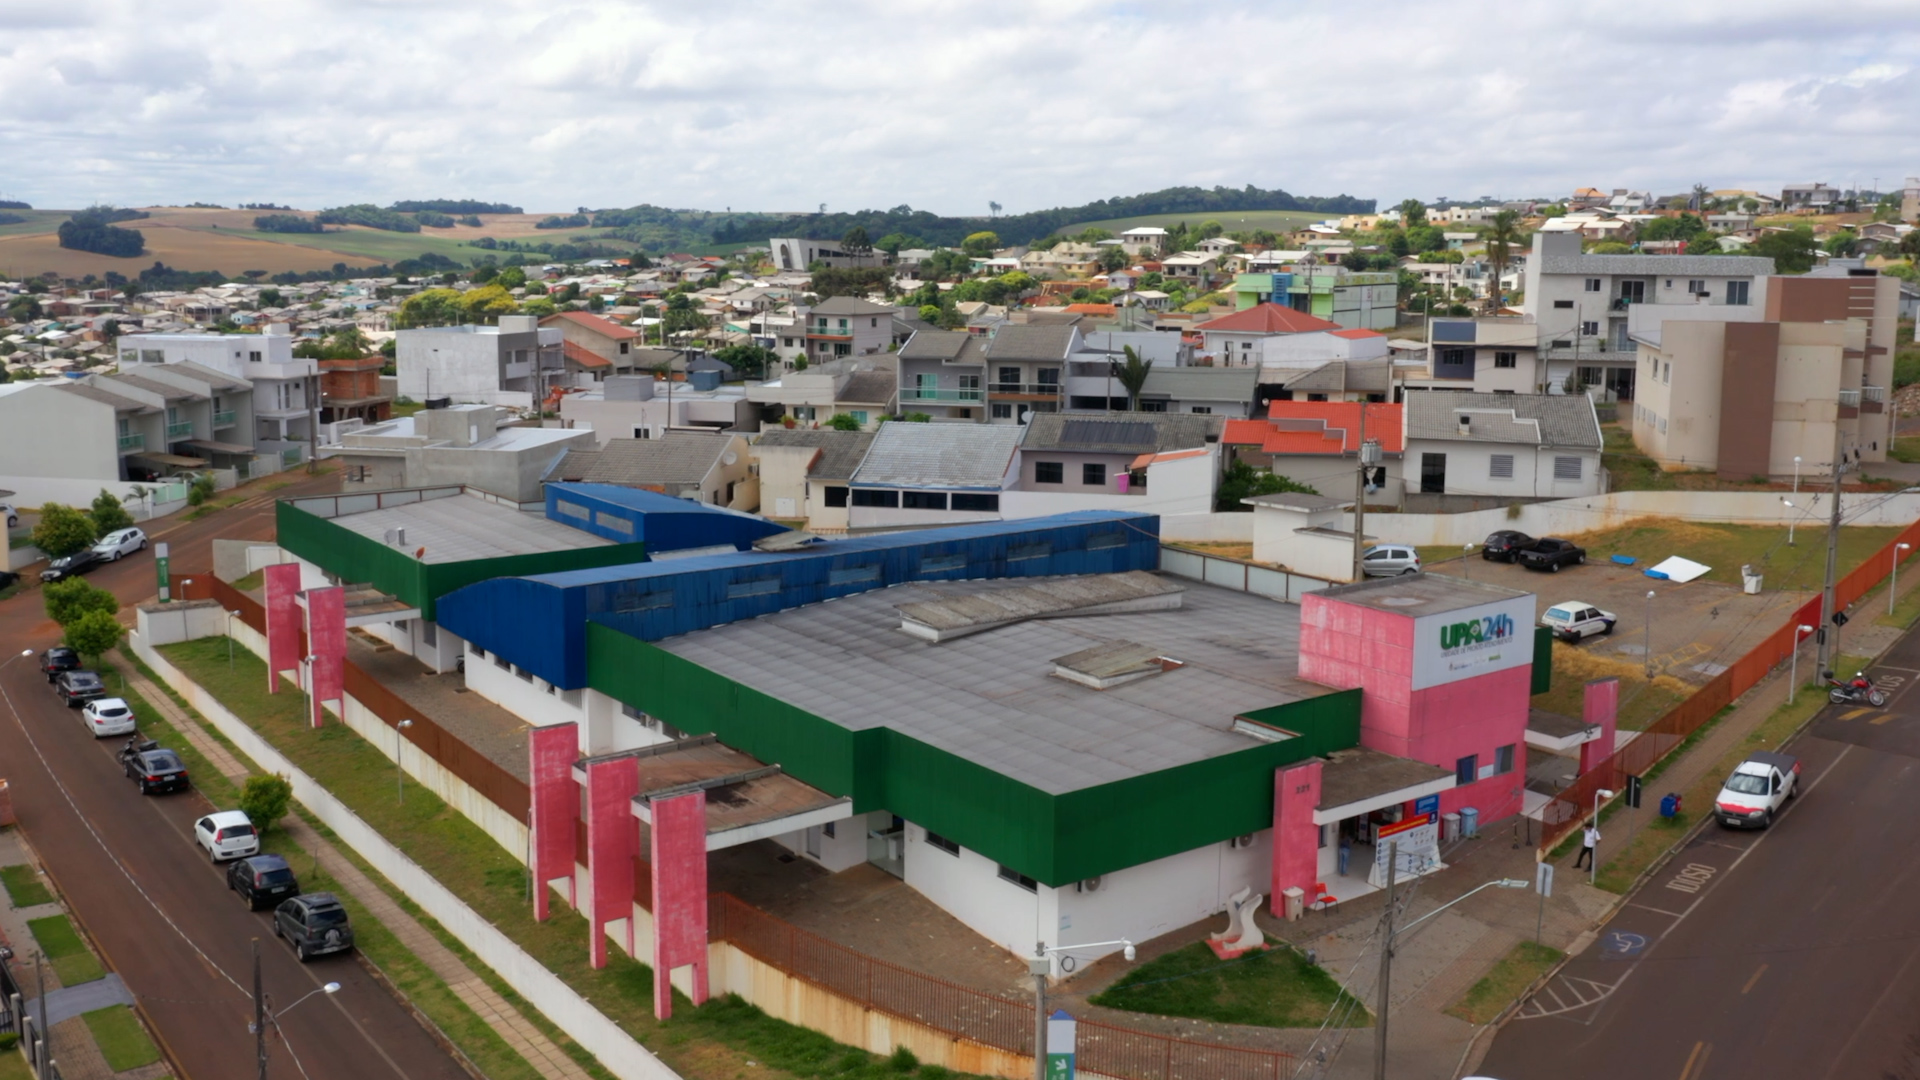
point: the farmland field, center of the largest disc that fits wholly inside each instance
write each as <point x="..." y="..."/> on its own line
<point x="1279" y="221"/>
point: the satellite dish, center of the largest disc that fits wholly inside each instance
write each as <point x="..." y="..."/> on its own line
<point x="729" y="458"/>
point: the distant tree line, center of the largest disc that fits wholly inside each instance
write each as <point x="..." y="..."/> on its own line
<point x="11" y="219"/>
<point x="454" y="206"/>
<point x="288" y="223"/>
<point x="263" y="206"/>
<point x="370" y="216"/>
<point x="433" y="219"/>
<point x="14" y="204"/>
<point x="570" y="221"/>
<point x="92" y="230"/>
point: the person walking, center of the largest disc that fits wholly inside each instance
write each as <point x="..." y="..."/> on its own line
<point x="1588" y="841"/>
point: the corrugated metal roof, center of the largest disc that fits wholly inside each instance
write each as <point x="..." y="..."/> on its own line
<point x="868" y="388"/>
<point x="1201" y="383"/>
<point x="466" y="527"/>
<point x="939" y="456"/>
<point x="1133" y="433"/>
<point x="1538" y="419"/>
<point x="1011" y="342"/>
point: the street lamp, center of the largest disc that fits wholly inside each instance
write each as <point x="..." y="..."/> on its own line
<point x="1466" y="560"/>
<point x="1593" y="864"/>
<point x="1040" y="965"/>
<point x="230" y="616"/>
<point x="1893" y="584"/>
<point x="399" y="772"/>
<point x="1793" y="669"/>
<point x="1788" y="503"/>
<point x="1796" y="474"/>
<point x="330" y="988"/>
<point x="1649" y="636"/>
<point x="184" y="582"/>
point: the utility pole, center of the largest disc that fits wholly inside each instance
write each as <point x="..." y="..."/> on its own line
<point x="312" y="386"/>
<point x="259" y="1015"/>
<point x="1360" y="495"/>
<point x="1386" y="969"/>
<point x="1828" y="647"/>
<point x="1039" y="966"/>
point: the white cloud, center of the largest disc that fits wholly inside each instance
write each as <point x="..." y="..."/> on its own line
<point x="941" y="105"/>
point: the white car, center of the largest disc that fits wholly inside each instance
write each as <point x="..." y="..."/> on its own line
<point x="108" y="716"/>
<point x="13" y="516"/>
<point x="1573" y="620"/>
<point x="1758" y="790"/>
<point x="227" y="834"/>
<point x="120" y="542"/>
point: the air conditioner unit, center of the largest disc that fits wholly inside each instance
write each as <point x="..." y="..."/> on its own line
<point x="1091" y="884"/>
<point x="1245" y="841"/>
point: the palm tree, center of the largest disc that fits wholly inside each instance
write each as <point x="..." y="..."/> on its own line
<point x="1133" y="376"/>
<point x="1502" y="234"/>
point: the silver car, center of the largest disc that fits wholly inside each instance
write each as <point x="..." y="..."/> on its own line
<point x="1389" y="560"/>
<point x="120" y="542"/>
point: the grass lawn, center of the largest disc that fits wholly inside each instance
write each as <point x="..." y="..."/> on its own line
<point x="1641" y="703"/>
<point x="1904" y="612"/>
<point x="1632" y="470"/>
<point x="123" y="1042"/>
<point x="61" y="943"/>
<point x="24" y="886"/>
<point x="709" y="1043"/>
<point x="1272" y="988"/>
<point x="251" y="581"/>
<point x="13" y="1066"/>
<point x="1619" y="873"/>
<point x="1513" y="974"/>
<point x="1726" y="548"/>
<point x="1906" y="448"/>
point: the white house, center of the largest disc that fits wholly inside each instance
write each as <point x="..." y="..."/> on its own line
<point x="1466" y="449"/>
<point x="514" y="363"/>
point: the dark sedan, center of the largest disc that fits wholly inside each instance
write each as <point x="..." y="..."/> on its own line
<point x="154" y="769"/>
<point x="1505" y="546"/>
<point x="77" y="687"/>
<point x="262" y="879"/>
<point x="56" y="660"/>
<point x="1551" y="553"/>
<point x="67" y="566"/>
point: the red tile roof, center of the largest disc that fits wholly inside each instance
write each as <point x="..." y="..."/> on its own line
<point x="1356" y="335"/>
<point x="1269" y="319"/>
<point x="1318" y="427"/>
<point x="1091" y="309"/>
<point x="581" y="355"/>
<point x="605" y="327"/>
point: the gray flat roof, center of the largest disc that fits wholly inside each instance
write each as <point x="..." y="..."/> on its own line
<point x="463" y="527"/>
<point x="1413" y="595"/>
<point x="991" y="697"/>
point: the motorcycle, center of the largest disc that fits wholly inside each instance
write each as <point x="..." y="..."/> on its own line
<point x="1859" y="691"/>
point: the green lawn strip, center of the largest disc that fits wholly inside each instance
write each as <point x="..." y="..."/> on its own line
<point x="1905" y="448"/>
<point x="122" y="1041"/>
<point x="13" y="1066"/>
<point x="24" y="886"/>
<point x="72" y="961"/>
<point x="1516" y="971"/>
<point x="1905" y="611"/>
<point x="1271" y="988"/>
<point x="251" y="581"/>
<point x="1618" y="874"/>
<point x="714" y="1041"/>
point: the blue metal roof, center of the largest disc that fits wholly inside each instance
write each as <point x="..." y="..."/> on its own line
<point x="539" y="622"/>
<point x="662" y="522"/>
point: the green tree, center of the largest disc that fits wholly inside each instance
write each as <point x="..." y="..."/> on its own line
<point x="1683" y="227"/>
<point x="1609" y="247"/>
<point x="1093" y="235"/>
<point x="513" y="277"/>
<point x="271" y="298"/>
<point x="1412" y="212"/>
<point x="1210" y="229"/>
<point x="200" y="491"/>
<point x="918" y="418"/>
<point x="1425" y="238"/>
<point x="67" y="600"/>
<point x="980" y="245"/>
<point x="855" y="242"/>
<point x="537" y="306"/>
<point x="108" y="515"/>
<point x="429" y="307"/>
<point x="484" y="273"/>
<point x="1133" y="375"/>
<point x="265" y="799"/>
<point x="94" y="633"/>
<point x="929" y="312"/>
<point x="843" y="422"/>
<point x="488" y="302"/>
<point x="1114" y="258"/>
<point x="1841" y="244"/>
<point x="1397" y="244"/>
<point x="1792" y="251"/>
<point x="1704" y="244"/>
<point x="63" y="530"/>
<point x="942" y="265"/>
<point x="749" y="360"/>
<point x="1910" y="243"/>
<point x="1244" y="481"/>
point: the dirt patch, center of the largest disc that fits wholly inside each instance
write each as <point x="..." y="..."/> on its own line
<point x="178" y="247"/>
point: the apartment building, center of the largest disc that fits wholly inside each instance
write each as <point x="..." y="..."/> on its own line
<point x="514" y="363"/>
<point x="1488" y="355"/>
<point x="283" y="385"/>
<point x="1585" y="307"/>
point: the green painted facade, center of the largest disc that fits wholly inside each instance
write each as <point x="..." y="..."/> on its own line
<point x="1542" y="660"/>
<point x="1057" y="839"/>
<point x="352" y="557"/>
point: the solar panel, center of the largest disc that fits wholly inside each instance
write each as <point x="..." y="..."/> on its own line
<point x="1096" y="432"/>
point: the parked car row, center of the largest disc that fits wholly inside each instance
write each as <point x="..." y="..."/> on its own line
<point x="1549" y="553"/>
<point x="112" y="547"/>
<point x="314" y="924"/>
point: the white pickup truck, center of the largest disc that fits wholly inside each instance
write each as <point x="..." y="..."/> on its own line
<point x="1758" y="790"/>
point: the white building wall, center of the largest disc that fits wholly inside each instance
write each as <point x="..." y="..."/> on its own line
<point x="56" y="446"/>
<point x="1181" y="486"/>
<point x="835" y="846"/>
<point x="1469" y="469"/>
<point x="968" y="887"/>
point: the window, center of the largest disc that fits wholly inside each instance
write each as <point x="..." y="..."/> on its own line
<point x="523" y="674"/>
<point x="1563" y="304"/>
<point x="1105" y="540"/>
<point x="1466" y="770"/>
<point x="1153" y="406"/>
<point x="1506" y="360"/>
<point x="1048" y="376"/>
<point x="254" y="356"/>
<point x="940" y="564"/>
<point x="623" y="347"/>
<point x="1503" y="759"/>
<point x="923" y="500"/>
<point x="1500" y="466"/>
<point x="1737" y="291"/>
<point x="1008" y="873"/>
<point x="1202" y="410"/>
<point x="859" y="416"/>
<point x="802" y="412"/>
<point x="1591" y="329"/>
<point x="1038" y="549"/>
<point x="870" y="497"/>
<point x="1696" y="287"/>
<point x="853" y="575"/>
<point x="979" y="503"/>
<point x="765" y="586"/>
<point x="1010" y="377"/>
<point x="1000" y="412"/>
<point x="833" y="495"/>
<point x="1049" y="472"/>
<point x="1593" y="284"/>
<point x="934" y="839"/>
<point x="1093" y="474"/>
<point x="1566" y="468"/>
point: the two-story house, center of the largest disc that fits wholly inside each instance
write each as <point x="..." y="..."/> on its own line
<point x="1490" y="355"/>
<point x="350" y="390"/>
<point x="1026" y="366"/>
<point x="515" y="363"/>
<point x="843" y="326"/>
<point x="943" y="374"/>
<point x="594" y="346"/>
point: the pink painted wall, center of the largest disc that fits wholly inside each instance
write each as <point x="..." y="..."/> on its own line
<point x="1600" y="704"/>
<point x="327" y="638"/>
<point x="1346" y="646"/>
<point x="679" y="896"/>
<point x="613" y="839"/>
<point x="554" y="808"/>
<point x="1296" y="839"/>
<point x="282" y="581"/>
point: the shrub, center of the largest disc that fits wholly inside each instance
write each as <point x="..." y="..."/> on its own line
<point x="62" y="530"/>
<point x="67" y="600"/>
<point x="107" y="514"/>
<point x="200" y="492"/>
<point x="844" y="422"/>
<point x="94" y="632"/>
<point x="264" y="799"/>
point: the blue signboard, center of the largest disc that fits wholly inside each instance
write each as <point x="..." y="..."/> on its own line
<point x="1429" y="804"/>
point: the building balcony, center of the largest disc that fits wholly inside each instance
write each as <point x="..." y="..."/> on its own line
<point x="1850" y="399"/>
<point x="840" y="334"/>
<point x="1592" y="352"/>
<point x="131" y="443"/>
<point x="917" y="393"/>
<point x="181" y="430"/>
<point x="1029" y="389"/>
<point x="224" y="419"/>
<point x="1873" y="393"/>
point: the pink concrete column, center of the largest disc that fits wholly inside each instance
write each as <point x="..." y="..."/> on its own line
<point x="613" y="839"/>
<point x="553" y="808"/>
<point x="679" y="896"/>
<point x="1601" y="706"/>
<point x="1296" y="839"/>
<point x="282" y="581"/>
<point x="327" y="643"/>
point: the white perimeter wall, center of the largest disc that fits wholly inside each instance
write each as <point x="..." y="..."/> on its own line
<point x="1567" y="516"/>
<point x="1182" y="486"/>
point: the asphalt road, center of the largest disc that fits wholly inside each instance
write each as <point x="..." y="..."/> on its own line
<point x="1791" y="952"/>
<point x="130" y="872"/>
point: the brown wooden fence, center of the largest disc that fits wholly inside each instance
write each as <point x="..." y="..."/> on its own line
<point x="1570" y="808"/>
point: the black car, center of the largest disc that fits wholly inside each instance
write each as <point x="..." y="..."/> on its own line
<point x="56" y="660"/>
<point x="67" y="566"/>
<point x="1551" y="553"/>
<point x="315" y="923"/>
<point x="76" y="687"/>
<point x="155" y="769"/>
<point x="8" y="577"/>
<point x="1505" y="546"/>
<point x="262" y="879"/>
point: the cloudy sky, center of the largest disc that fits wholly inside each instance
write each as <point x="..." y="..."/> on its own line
<point x="944" y="106"/>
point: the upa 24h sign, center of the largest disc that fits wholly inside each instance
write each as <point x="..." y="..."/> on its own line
<point x="1474" y="641"/>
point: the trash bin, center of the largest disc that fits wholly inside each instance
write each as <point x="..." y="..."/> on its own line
<point x="1295" y="903"/>
<point x="1449" y="828"/>
<point x="1670" y="804"/>
<point x="1749" y="580"/>
<point x="1469" y="821"/>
